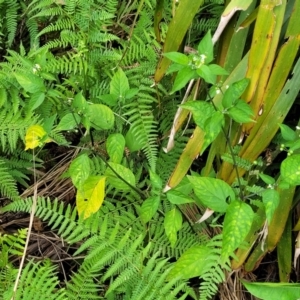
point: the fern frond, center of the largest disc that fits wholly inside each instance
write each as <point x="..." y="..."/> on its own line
<point x="144" y="127"/>
<point x="37" y="279"/>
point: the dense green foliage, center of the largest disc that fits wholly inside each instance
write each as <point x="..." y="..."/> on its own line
<point x="93" y="77"/>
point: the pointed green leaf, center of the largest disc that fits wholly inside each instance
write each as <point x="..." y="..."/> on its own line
<point x="79" y="170"/>
<point x="172" y="224"/>
<point x="234" y="92"/>
<point x="183" y="77"/>
<point x="115" y="145"/>
<point x="101" y="116"/>
<point x="149" y="208"/>
<point x="36" y="100"/>
<point x="287" y="133"/>
<point x="68" y="122"/>
<point x="290" y="170"/>
<point x="177" y="57"/>
<point x="217" y="70"/>
<point x="201" y="111"/>
<point x="119" y="84"/>
<point x="241" y="112"/>
<point x="191" y="264"/>
<point x="270" y="199"/>
<point x="176" y="197"/>
<point x="124" y="173"/>
<point x="273" y="291"/>
<point x="206" y="47"/>
<point x="90" y="197"/>
<point x="237" y="223"/>
<point x="205" y="73"/>
<point x="212" y="192"/>
<point x="267" y="179"/>
<point x="31" y="83"/>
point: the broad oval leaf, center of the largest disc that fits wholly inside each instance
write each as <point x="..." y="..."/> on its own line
<point x="237" y="223"/>
<point x="241" y="112"/>
<point x="206" y="47"/>
<point x="176" y="197"/>
<point x="31" y="83"/>
<point x="172" y="224"/>
<point x="35" y="135"/>
<point x="101" y="116"/>
<point x="287" y="133"/>
<point x="149" y="208"/>
<point x="115" y="145"/>
<point x="183" y="77"/>
<point x="273" y="291"/>
<point x="124" y="173"/>
<point x="79" y="170"/>
<point x="201" y="110"/>
<point x="177" y="57"/>
<point x="270" y="199"/>
<point x="68" y="122"/>
<point x="290" y="170"/>
<point x="191" y="264"/>
<point x="90" y="197"/>
<point x="212" y="192"/>
<point x="119" y="84"/>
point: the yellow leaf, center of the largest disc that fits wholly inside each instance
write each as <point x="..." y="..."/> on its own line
<point x="90" y="198"/>
<point x="34" y="137"/>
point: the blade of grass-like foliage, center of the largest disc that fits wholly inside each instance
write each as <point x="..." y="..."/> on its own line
<point x="284" y="252"/>
<point x="280" y="72"/>
<point x="178" y="27"/>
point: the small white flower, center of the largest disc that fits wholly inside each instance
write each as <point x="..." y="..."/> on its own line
<point x="227" y="86"/>
<point x="298" y="127"/>
<point x="203" y="57"/>
<point x="218" y="91"/>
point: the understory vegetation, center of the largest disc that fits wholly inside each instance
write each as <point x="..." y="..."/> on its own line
<point x="149" y="149"/>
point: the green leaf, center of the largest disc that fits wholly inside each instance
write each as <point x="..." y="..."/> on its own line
<point x="119" y="84"/>
<point x="176" y="197"/>
<point x="31" y="83"/>
<point x="212" y="127"/>
<point x="155" y="180"/>
<point x="205" y="73"/>
<point x="266" y="178"/>
<point x="90" y="197"/>
<point x="149" y="208"/>
<point x="237" y="223"/>
<point x="217" y="70"/>
<point x="177" y="57"/>
<point x="131" y="141"/>
<point x="234" y="92"/>
<point x="79" y="170"/>
<point x="273" y="291"/>
<point x="183" y="77"/>
<point x="79" y="103"/>
<point x="172" y="224"/>
<point x="124" y="173"/>
<point x="287" y="133"/>
<point x="191" y="264"/>
<point x="131" y="93"/>
<point x="101" y="116"/>
<point x="201" y="111"/>
<point x="290" y="170"/>
<point x="212" y="192"/>
<point x="206" y="47"/>
<point x="109" y="99"/>
<point x="241" y="112"/>
<point x="270" y="199"/>
<point x="36" y="100"/>
<point x="68" y="122"/>
<point x="115" y="145"/>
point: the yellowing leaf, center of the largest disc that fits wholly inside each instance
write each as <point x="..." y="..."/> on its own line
<point x="34" y="137"/>
<point x="90" y="198"/>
